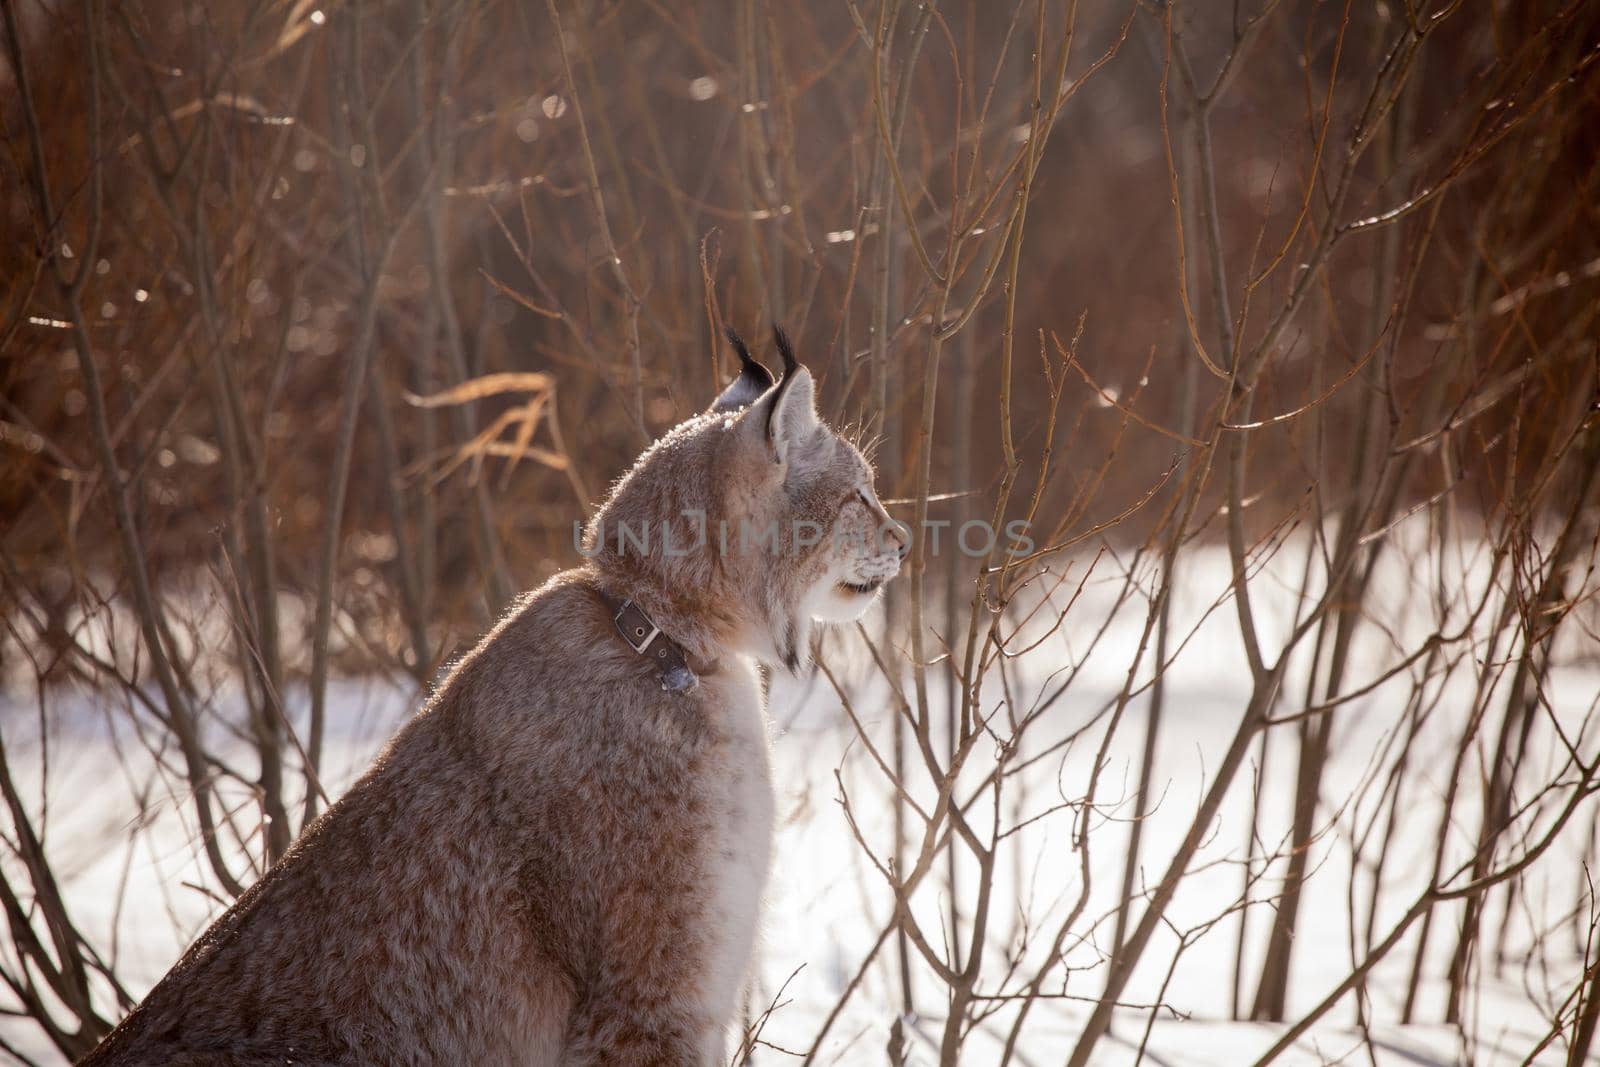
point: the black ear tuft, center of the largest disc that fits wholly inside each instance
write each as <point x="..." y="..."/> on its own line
<point x="747" y="362"/>
<point x="753" y="379"/>
<point x="785" y="349"/>
<point x="790" y="365"/>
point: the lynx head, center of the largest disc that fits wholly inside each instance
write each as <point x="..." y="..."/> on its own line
<point x="751" y="520"/>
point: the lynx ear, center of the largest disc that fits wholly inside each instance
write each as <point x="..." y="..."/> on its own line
<point x="753" y="380"/>
<point x="792" y="414"/>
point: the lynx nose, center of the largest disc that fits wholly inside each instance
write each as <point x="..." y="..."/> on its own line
<point x="901" y="540"/>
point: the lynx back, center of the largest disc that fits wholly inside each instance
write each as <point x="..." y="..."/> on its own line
<point x="560" y="859"/>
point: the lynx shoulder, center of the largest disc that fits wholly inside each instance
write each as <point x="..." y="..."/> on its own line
<point x="560" y="859"/>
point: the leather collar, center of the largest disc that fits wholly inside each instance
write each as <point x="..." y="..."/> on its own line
<point x="642" y="635"/>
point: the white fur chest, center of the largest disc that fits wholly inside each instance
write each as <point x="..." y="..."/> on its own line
<point x="739" y="781"/>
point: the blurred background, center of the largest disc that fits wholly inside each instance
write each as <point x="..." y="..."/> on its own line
<point x="322" y="324"/>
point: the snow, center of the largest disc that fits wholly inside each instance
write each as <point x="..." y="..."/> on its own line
<point x="827" y="903"/>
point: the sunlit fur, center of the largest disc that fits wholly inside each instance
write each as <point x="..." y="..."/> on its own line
<point x="722" y="480"/>
<point x="557" y="861"/>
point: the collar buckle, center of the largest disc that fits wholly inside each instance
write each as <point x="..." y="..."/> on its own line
<point x="639" y="630"/>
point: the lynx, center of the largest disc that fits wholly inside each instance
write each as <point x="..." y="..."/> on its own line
<point x="560" y="859"/>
